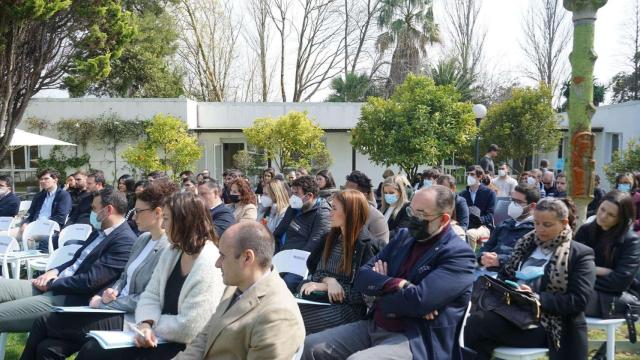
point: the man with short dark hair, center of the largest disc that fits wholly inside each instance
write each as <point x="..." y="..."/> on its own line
<point x="561" y="185"/>
<point x="504" y="182"/>
<point x="9" y="201"/>
<point x="94" y="182"/>
<point x="495" y="252"/>
<point x="256" y="310"/>
<point x="486" y="162"/>
<point x="79" y="190"/>
<point x="461" y="214"/>
<point x="221" y="215"/>
<point x="422" y="285"/>
<point x="376" y="222"/>
<point x="305" y="224"/>
<point x="482" y="203"/>
<point x="95" y="265"/>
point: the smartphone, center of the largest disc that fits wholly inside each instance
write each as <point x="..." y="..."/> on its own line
<point x="512" y="284"/>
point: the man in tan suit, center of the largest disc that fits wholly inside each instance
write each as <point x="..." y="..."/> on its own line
<point x="258" y="317"/>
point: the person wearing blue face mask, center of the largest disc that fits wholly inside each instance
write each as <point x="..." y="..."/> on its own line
<point x="625" y="182"/>
<point x="556" y="270"/>
<point x="429" y="178"/>
<point x="394" y="204"/>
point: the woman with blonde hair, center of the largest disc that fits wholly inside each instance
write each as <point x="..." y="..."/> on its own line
<point x="275" y="202"/>
<point x="394" y="203"/>
<point x="333" y="267"/>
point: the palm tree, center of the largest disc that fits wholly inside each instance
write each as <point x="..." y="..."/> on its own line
<point x="356" y="88"/>
<point x="448" y="72"/>
<point x="410" y="26"/>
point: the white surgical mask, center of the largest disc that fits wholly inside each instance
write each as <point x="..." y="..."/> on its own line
<point x="502" y="173"/>
<point x="266" y="201"/>
<point x="4" y="191"/>
<point x="514" y="210"/>
<point x="471" y="180"/>
<point x="531" y="180"/>
<point x="295" y="202"/>
<point x="426" y="183"/>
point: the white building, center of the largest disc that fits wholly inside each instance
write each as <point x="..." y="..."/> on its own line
<point x="217" y="125"/>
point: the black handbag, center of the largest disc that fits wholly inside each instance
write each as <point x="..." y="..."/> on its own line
<point x="520" y="308"/>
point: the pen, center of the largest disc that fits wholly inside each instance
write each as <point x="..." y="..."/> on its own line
<point x="135" y="329"/>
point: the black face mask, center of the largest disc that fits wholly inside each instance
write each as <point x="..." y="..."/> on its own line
<point x="234" y="198"/>
<point x="419" y="229"/>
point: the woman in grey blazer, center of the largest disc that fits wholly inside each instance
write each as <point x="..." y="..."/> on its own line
<point x="59" y="335"/>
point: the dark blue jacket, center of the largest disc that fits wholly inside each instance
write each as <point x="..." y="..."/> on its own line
<point x="9" y="205"/>
<point x="100" y="268"/>
<point x="81" y="211"/>
<point x="462" y="212"/>
<point x="222" y="218"/>
<point x="503" y="239"/>
<point x="304" y="229"/>
<point x="59" y="209"/>
<point x="441" y="280"/>
<point x="486" y="202"/>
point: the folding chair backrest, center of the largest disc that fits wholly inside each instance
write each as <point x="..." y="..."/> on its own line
<point x="76" y="232"/>
<point x="6" y="222"/>
<point x="7" y="245"/>
<point x="39" y="228"/>
<point x="501" y="212"/>
<point x="24" y="205"/>
<point x="61" y="255"/>
<point x="292" y="261"/>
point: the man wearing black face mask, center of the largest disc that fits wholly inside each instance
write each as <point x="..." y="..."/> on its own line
<point x="422" y="282"/>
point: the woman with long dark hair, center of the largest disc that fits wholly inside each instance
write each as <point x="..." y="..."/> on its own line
<point x="617" y="255"/>
<point x="243" y="200"/>
<point x="326" y="184"/>
<point x="333" y="267"/>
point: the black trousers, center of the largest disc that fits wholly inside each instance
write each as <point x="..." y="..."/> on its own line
<point x="486" y="331"/>
<point x="91" y="350"/>
<point x="59" y="335"/>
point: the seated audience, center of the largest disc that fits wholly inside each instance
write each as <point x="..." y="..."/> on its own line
<point x="487" y="181"/>
<point x="461" y="213"/>
<point x="9" y="201"/>
<point x="51" y="203"/>
<point x="243" y="201"/>
<point x="481" y="202"/>
<point x="155" y="175"/>
<point x="326" y="184"/>
<point x="94" y="266"/>
<point x="495" y="252"/>
<point x="504" y="182"/>
<point x="126" y="185"/>
<point x="549" y="183"/>
<point x="535" y="177"/>
<point x="378" y="193"/>
<point x="94" y="182"/>
<point x="59" y="335"/>
<point x="79" y="188"/>
<point x="334" y="266"/>
<point x="523" y="179"/>
<point x="598" y="194"/>
<point x="184" y="290"/>
<point x="625" y="182"/>
<point x="429" y="178"/>
<point x="394" y="203"/>
<point x="301" y="171"/>
<point x="221" y="215"/>
<point x="228" y="177"/>
<point x="376" y="222"/>
<point x="268" y="174"/>
<point x="422" y="284"/>
<point x="561" y="185"/>
<point x="556" y="270"/>
<point x="186" y="174"/>
<point x="275" y="201"/>
<point x="190" y="185"/>
<point x="69" y="183"/>
<point x="291" y="175"/>
<point x="258" y="317"/>
<point x="305" y="223"/>
<point x="544" y="165"/>
<point x="617" y="256"/>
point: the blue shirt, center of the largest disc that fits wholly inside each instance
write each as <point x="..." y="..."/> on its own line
<point x="47" y="205"/>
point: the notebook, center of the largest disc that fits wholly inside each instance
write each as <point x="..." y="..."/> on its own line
<point x="116" y="339"/>
<point x="85" y="309"/>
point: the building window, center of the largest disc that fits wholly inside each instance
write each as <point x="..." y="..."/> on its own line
<point x="34" y="154"/>
<point x="614" y="141"/>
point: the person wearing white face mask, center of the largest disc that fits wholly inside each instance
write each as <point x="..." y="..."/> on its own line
<point x="305" y="223"/>
<point x="482" y="203"/>
<point x="498" y="248"/>
<point x="275" y="202"/>
<point x="505" y="183"/>
<point x="9" y="202"/>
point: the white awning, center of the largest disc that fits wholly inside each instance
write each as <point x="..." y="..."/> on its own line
<point x="24" y="138"/>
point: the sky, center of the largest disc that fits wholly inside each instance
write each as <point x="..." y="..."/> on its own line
<point x="503" y="57"/>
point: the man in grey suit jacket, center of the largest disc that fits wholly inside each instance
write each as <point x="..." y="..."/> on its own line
<point x="257" y="308"/>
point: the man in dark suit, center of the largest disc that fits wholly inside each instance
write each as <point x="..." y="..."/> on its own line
<point x="51" y="203"/>
<point x="222" y="216"/>
<point x="9" y="201"/>
<point x="422" y="284"/>
<point x="481" y="202"/>
<point x="94" y="182"/>
<point x="95" y="265"/>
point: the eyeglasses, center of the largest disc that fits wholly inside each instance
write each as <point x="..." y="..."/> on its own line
<point x="419" y="214"/>
<point x="135" y="211"/>
<point x="519" y="202"/>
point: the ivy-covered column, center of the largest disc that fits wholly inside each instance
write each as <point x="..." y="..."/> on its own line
<point x="580" y="165"/>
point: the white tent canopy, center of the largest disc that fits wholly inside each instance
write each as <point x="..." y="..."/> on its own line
<point x="24" y="138"/>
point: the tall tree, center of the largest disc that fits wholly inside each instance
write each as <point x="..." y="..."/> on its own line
<point x="279" y="15"/>
<point x="259" y="41"/>
<point x="409" y="26"/>
<point x="42" y="41"/>
<point x="467" y="40"/>
<point x="546" y="38"/>
<point x="450" y="72"/>
<point x="625" y="85"/>
<point x="355" y="88"/>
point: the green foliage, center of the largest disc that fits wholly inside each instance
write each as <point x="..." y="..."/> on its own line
<point x="420" y="124"/>
<point x="244" y="161"/>
<point x="322" y="160"/>
<point x="61" y="162"/>
<point x="448" y="72"/>
<point x="76" y="131"/>
<point x="599" y="91"/>
<point x="168" y="146"/>
<point x="625" y="86"/>
<point x="291" y="140"/>
<point x="623" y="162"/>
<point x="37" y="125"/>
<point x="356" y="88"/>
<point x="112" y="131"/>
<point x="523" y="124"/>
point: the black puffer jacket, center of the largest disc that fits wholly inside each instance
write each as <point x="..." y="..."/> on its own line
<point x="303" y="229"/>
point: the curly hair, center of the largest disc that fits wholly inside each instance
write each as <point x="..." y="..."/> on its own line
<point x="244" y="188"/>
<point x="308" y="184"/>
<point x="362" y="180"/>
<point x="156" y="193"/>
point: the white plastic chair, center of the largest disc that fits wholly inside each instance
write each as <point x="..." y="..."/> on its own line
<point x="8" y="245"/>
<point x="291" y="261"/>
<point x="24" y="206"/>
<point x="61" y="256"/>
<point x="40" y="228"/>
<point x="610" y="326"/>
<point x="76" y="232"/>
<point x="6" y="223"/>
<point x="512" y="353"/>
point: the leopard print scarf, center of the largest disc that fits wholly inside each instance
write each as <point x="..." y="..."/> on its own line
<point x="558" y="272"/>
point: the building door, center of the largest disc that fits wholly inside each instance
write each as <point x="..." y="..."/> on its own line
<point x="228" y="150"/>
